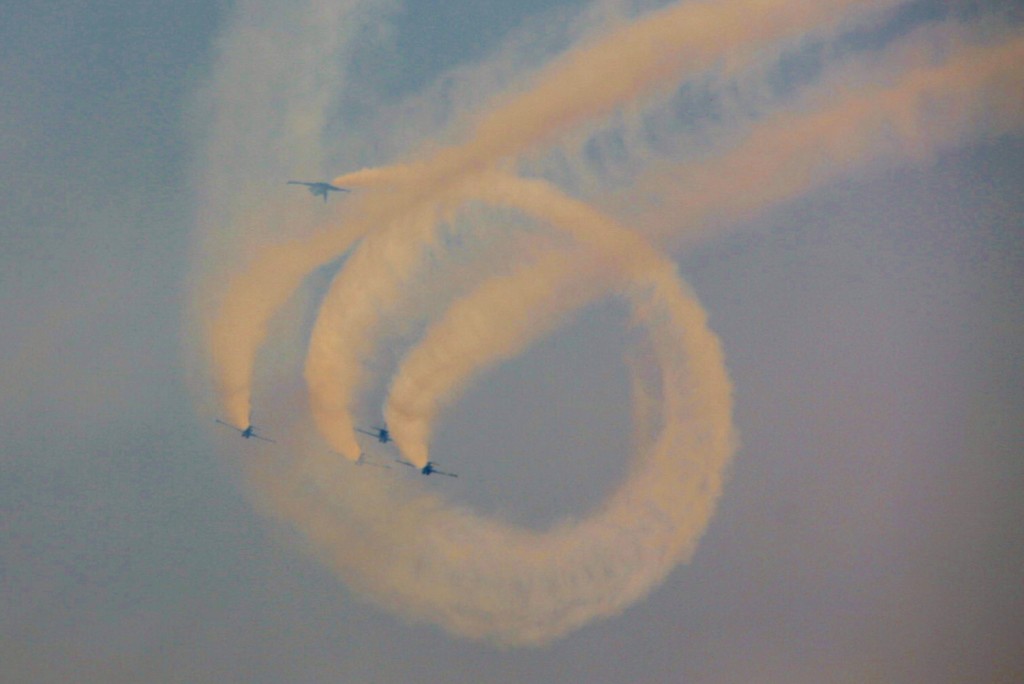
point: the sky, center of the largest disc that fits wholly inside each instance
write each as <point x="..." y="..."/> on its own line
<point x="819" y="484"/>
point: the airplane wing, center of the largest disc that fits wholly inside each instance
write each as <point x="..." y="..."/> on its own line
<point x="265" y="439"/>
<point x="291" y="182"/>
<point x="367" y="432"/>
<point x="405" y="463"/>
<point x="441" y="472"/>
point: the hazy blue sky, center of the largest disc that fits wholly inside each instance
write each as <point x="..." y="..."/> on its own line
<point x="870" y="527"/>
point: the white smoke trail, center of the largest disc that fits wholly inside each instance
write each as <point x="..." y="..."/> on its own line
<point x="879" y="114"/>
<point x="812" y="142"/>
<point x="492" y="580"/>
<point x="503" y="317"/>
<point x="410" y="550"/>
<point x="265" y="110"/>
<point x="485" y="579"/>
<point x="632" y="61"/>
<point x="335" y="371"/>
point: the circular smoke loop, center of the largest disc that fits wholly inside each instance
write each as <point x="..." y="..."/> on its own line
<point x="481" y="577"/>
<point x="397" y="542"/>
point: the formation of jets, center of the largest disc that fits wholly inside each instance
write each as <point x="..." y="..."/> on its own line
<point x="319" y="188"/>
<point x="248" y="432"/>
<point x="381" y="434"/>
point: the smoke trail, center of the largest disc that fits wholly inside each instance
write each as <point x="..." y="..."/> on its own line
<point x="492" y="580"/>
<point x="506" y="314"/>
<point x="803" y="139"/>
<point x="483" y="578"/>
<point x="265" y="109"/>
<point x="347" y="327"/>
<point x="478" y="330"/>
<point x="489" y="580"/>
<point x="656" y="52"/>
<point x="974" y="91"/>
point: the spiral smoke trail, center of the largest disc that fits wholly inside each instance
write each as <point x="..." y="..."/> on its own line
<point x="484" y="578"/>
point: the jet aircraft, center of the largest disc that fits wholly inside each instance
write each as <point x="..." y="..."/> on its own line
<point x="248" y="432"/>
<point x="381" y="434"/>
<point x="429" y="469"/>
<point x="320" y="188"/>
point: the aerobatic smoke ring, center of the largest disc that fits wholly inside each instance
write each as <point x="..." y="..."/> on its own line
<point x="399" y="543"/>
<point x="484" y="578"/>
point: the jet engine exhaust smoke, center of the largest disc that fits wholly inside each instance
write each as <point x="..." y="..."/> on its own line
<point x="406" y="547"/>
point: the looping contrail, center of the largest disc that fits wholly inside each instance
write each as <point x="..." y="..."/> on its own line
<point x="484" y="578"/>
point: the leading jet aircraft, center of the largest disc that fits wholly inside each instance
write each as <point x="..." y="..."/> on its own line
<point x="248" y="432"/>
<point x="381" y="434"/>
<point x="320" y="188"/>
<point x="429" y="469"/>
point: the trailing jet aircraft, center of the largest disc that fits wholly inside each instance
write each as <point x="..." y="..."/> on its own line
<point x="381" y="434"/>
<point x="248" y="432"/>
<point x="320" y="188"/>
<point x="429" y="469"/>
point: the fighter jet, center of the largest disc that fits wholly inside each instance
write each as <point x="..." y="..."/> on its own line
<point x="319" y="188"/>
<point x="429" y="469"/>
<point x="381" y="434"/>
<point x="248" y="432"/>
